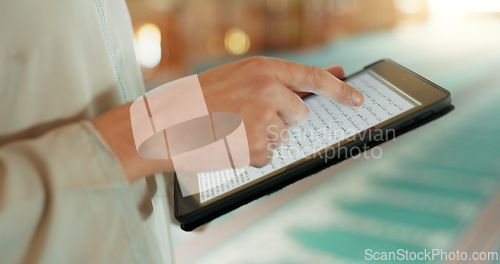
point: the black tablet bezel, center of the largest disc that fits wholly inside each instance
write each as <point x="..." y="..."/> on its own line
<point x="435" y="102"/>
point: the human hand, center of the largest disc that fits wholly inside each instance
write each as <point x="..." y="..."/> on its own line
<point x="266" y="93"/>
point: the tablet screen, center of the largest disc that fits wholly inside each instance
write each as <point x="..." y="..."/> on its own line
<point x="329" y="123"/>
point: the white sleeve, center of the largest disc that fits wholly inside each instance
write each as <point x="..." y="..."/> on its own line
<point x="64" y="198"/>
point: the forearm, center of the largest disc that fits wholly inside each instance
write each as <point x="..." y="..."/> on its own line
<point x="116" y="129"/>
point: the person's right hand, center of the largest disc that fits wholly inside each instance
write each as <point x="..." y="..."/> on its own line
<point x="265" y="92"/>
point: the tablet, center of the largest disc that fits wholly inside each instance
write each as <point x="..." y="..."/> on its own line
<point x="396" y="100"/>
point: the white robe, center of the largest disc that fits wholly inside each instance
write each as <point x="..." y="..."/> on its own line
<point x="63" y="195"/>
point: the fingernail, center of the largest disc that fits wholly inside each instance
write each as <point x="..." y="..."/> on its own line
<point x="357" y="98"/>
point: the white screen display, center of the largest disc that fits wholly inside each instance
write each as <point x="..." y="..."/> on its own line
<point x="328" y="124"/>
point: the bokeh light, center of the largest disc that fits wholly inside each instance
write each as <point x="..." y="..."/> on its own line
<point x="410" y="6"/>
<point x="148" y="45"/>
<point x="236" y="41"/>
<point x="463" y="7"/>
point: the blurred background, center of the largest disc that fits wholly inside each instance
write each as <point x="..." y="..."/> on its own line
<point x="435" y="187"/>
<point x="174" y="37"/>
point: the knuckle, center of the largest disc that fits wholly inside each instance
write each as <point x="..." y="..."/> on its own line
<point x="258" y="61"/>
<point x="343" y="92"/>
<point x="264" y="86"/>
<point x="265" y="114"/>
<point x="260" y="163"/>
<point x="284" y="137"/>
<point x="301" y="115"/>
<point x="319" y="77"/>
<point x="259" y="148"/>
<point x="261" y="160"/>
<point x="305" y="112"/>
<point x="287" y="68"/>
<point x="260" y="154"/>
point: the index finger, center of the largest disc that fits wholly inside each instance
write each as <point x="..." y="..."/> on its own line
<point x="305" y="78"/>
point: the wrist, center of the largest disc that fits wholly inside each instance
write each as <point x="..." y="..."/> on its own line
<point x="115" y="128"/>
